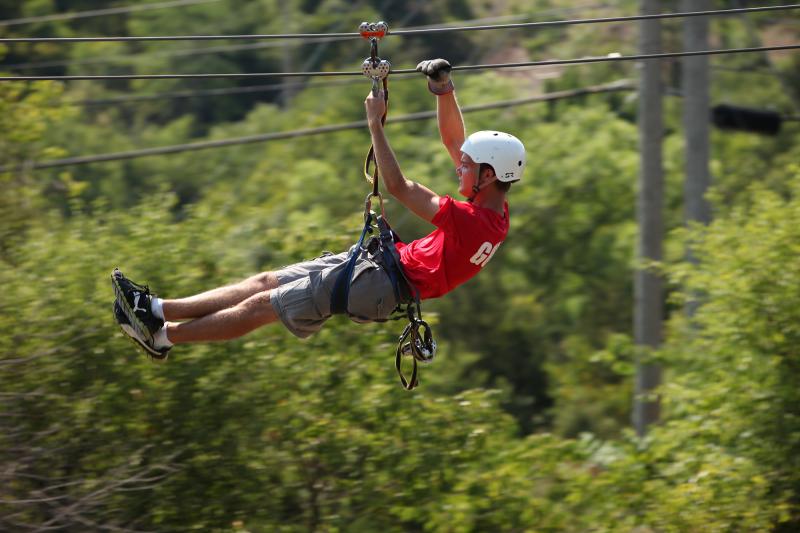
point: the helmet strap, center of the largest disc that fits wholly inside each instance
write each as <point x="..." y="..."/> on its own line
<point x="476" y="188"/>
<point x="475" y="191"/>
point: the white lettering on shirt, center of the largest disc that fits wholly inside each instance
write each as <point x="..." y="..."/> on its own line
<point x="484" y="254"/>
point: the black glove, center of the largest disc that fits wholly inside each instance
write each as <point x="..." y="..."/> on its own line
<point x="438" y="73"/>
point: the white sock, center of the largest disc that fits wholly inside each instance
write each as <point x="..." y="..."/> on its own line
<point x="156" y="306"/>
<point x="160" y="338"/>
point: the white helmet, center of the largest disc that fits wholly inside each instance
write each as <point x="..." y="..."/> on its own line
<point x="503" y="151"/>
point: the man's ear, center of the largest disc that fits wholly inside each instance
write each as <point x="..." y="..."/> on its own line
<point x="488" y="175"/>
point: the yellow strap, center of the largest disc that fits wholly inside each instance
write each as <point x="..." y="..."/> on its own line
<point x="372" y="177"/>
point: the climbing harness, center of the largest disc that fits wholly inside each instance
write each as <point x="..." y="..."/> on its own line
<point x="416" y="341"/>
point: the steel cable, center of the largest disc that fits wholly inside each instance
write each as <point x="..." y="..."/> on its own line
<point x="545" y="63"/>
<point x="253" y="46"/>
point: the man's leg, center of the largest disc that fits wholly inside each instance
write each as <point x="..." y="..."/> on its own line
<point x="217" y="299"/>
<point x="226" y="323"/>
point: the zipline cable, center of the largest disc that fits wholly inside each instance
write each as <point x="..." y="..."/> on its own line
<point x="255" y="46"/>
<point x="617" y="86"/>
<point x="102" y="12"/>
<point x="188" y="52"/>
<point x="250" y="89"/>
<point x="549" y="62"/>
<point x="219" y="92"/>
<point x="614" y="57"/>
<point x="310" y="36"/>
<point x="211" y="92"/>
<point x="225" y="91"/>
<point x="202" y="93"/>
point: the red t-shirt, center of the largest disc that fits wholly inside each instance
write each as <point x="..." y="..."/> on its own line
<point x="465" y="239"/>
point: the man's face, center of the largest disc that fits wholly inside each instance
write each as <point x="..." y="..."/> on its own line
<point x="467" y="175"/>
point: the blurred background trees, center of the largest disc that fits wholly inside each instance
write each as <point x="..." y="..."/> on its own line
<point x="522" y="421"/>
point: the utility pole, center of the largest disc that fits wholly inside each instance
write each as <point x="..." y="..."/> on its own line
<point x="696" y="113"/>
<point x="648" y="305"/>
<point x="695" y="81"/>
<point x="287" y="56"/>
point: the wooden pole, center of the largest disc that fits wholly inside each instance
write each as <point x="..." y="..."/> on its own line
<point x="648" y="306"/>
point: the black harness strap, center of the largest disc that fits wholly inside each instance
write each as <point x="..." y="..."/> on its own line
<point x="340" y="295"/>
<point x="416" y="341"/>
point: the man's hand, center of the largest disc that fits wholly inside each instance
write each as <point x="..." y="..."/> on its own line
<point x="438" y="73"/>
<point x="376" y="107"/>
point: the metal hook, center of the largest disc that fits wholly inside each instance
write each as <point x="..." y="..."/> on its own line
<point x="373" y="51"/>
<point x="368" y="204"/>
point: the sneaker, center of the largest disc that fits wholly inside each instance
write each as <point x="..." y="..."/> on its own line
<point x="159" y="354"/>
<point x="135" y="299"/>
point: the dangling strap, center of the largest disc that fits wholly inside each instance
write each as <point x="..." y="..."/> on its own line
<point x="421" y="347"/>
<point x="403" y="348"/>
<point x="372" y="176"/>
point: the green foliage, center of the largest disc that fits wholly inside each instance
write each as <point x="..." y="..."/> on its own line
<point x="26" y="113"/>
<point x="283" y="433"/>
<point x="520" y="424"/>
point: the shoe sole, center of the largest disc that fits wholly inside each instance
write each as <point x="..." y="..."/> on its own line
<point x="137" y="325"/>
<point x="154" y="355"/>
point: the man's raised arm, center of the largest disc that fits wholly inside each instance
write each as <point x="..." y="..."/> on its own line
<point x="419" y="199"/>
<point x="451" y="123"/>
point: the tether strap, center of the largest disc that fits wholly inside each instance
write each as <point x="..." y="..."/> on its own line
<point x="372" y="177"/>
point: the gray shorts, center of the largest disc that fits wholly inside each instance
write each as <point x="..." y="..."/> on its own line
<point x="302" y="299"/>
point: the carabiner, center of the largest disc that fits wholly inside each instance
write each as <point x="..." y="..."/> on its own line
<point x="368" y="203"/>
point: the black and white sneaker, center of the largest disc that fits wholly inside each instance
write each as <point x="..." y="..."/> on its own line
<point x="159" y="354"/>
<point x="134" y="300"/>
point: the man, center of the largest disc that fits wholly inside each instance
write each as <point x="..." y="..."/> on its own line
<point x="466" y="237"/>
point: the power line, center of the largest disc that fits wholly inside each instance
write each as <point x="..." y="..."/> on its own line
<point x="311" y="36"/>
<point x="604" y="20"/>
<point x="621" y="85"/>
<point x="549" y="62"/>
<point x="102" y="12"/>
